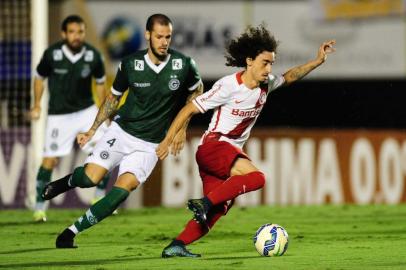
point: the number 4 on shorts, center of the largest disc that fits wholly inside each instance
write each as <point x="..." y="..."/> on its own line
<point x="111" y="142"/>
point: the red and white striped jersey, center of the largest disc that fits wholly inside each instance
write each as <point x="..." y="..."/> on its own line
<point x="236" y="107"/>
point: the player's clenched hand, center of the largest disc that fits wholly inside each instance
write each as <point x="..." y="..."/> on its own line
<point x="83" y="138"/>
<point x="162" y="150"/>
<point x="178" y="142"/>
<point x="326" y="48"/>
<point x="35" y="113"/>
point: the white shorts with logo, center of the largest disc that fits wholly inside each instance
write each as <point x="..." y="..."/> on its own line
<point x="117" y="147"/>
<point x="61" y="131"/>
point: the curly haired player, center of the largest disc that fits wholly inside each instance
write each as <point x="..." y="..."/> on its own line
<point x="237" y="100"/>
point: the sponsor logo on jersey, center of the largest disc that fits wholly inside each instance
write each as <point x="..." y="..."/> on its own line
<point x="137" y="84"/>
<point x="246" y="113"/>
<point x="57" y="55"/>
<point x="177" y="64"/>
<point x="60" y="71"/>
<point x="89" y="56"/>
<point x="174" y="84"/>
<point x="85" y="71"/>
<point x="139" y="65"/>
<point x="213" y="91"/>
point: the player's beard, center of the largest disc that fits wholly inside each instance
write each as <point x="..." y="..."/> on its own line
<point x="74" y="48"/>
<point x="161" y="57"/>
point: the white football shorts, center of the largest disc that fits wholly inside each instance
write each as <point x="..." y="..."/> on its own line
<point x="133" y="155"/>
<point x="61" y="131"/>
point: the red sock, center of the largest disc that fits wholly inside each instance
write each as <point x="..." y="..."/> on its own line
<point x="236" y="185"/>
<point x="194" y="231"/>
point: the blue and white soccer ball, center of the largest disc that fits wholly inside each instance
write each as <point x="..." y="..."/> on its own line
<point x="271" y="240"/>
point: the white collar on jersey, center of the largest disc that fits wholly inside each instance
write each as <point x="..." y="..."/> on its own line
<point x="154" y="67"/>
<point x="73" y="57"/>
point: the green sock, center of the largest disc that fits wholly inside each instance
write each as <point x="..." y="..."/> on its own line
<point x="43" y="178"/>
<point x="80" y="179"/>
<point x="102" y="208"/>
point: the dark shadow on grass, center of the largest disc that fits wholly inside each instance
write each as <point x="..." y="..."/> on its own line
<point x="73" y="263"/>
<point x="24" y="223"/>
<point x="25" y="250"/>
<point x="233" y="258"/>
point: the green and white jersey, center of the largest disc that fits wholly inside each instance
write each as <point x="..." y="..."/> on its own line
<point x="156" y="92"/>
<point x="70" y="76"/>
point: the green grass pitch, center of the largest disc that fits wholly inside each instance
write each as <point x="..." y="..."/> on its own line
<point x="321" y="237"/>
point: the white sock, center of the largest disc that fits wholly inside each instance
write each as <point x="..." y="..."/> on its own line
<point x="73" y="229"/>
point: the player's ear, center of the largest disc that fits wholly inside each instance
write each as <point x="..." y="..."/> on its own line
<point x="248" y="61"/>
<point x="147" y="35"/>
<point x="63" y="34"/>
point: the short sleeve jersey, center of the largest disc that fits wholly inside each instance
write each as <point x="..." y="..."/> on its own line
<point x="70" y="77"/>
<point x="236" y="107"/>
<point x="156" y="92"/>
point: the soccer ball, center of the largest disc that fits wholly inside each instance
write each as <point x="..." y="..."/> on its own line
<point x="271" y="240"/>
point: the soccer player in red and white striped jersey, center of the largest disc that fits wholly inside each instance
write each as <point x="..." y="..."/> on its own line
<point x="237" y="100"/>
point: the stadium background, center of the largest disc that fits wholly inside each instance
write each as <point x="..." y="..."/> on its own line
<point x="335" y="137"/>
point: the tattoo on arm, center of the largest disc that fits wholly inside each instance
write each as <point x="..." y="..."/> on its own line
<point x="299" y="72"/>
<point x="108" y="108"/>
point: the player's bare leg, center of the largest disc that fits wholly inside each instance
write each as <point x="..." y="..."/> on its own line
<point x="100" y="210"/>
<point x="244" y="177"/>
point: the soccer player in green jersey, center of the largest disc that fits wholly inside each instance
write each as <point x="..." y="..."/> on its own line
<point x="159" y="81"/>
<point x="69" y="66"/>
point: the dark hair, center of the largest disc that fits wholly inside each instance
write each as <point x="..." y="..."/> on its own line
<point x="71" y="19"/>
<point x="157" y="18"/>
<point x="249" y="44"/>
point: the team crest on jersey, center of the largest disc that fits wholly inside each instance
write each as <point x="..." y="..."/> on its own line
<point x="262" y="98"/>
<point x="177" y="64"/>
<point x="89" y="56"/>
<point x="174" y="84"/>
<point x="57" y="55"/>
<point x="85" y="71"/>
<point x="139" y="65"/>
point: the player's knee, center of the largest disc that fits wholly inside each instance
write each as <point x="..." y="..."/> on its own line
<point x="127" y="181"/>
<point x="95" y="173"/>
<point x="258" y="178"/>
<point x="49" y="163"/>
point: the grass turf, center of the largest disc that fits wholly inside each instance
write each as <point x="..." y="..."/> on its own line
<point x="321" y="237"/>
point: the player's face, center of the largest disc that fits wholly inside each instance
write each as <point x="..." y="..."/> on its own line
<point x="74" y="36"/>
<point x="159" y="40"/>
<point x="261" y="66"/>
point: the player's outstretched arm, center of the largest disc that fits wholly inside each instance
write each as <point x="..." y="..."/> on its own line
<point x="299" y="72"/>
<point x="108" y="108"/>
<point x="186" y="113"/>
<point x="180" y="137"/>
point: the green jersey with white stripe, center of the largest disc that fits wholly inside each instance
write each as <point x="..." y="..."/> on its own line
<point x="70" y="76"/>
<point x="156" y="92"/>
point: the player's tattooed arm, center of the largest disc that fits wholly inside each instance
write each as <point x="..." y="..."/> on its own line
<point x="107" y="109"/>
<point x="299" y="72"/>
<point x="180" y="137"/>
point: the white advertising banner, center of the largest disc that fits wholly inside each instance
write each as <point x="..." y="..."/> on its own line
<point x="373" y="47"/>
